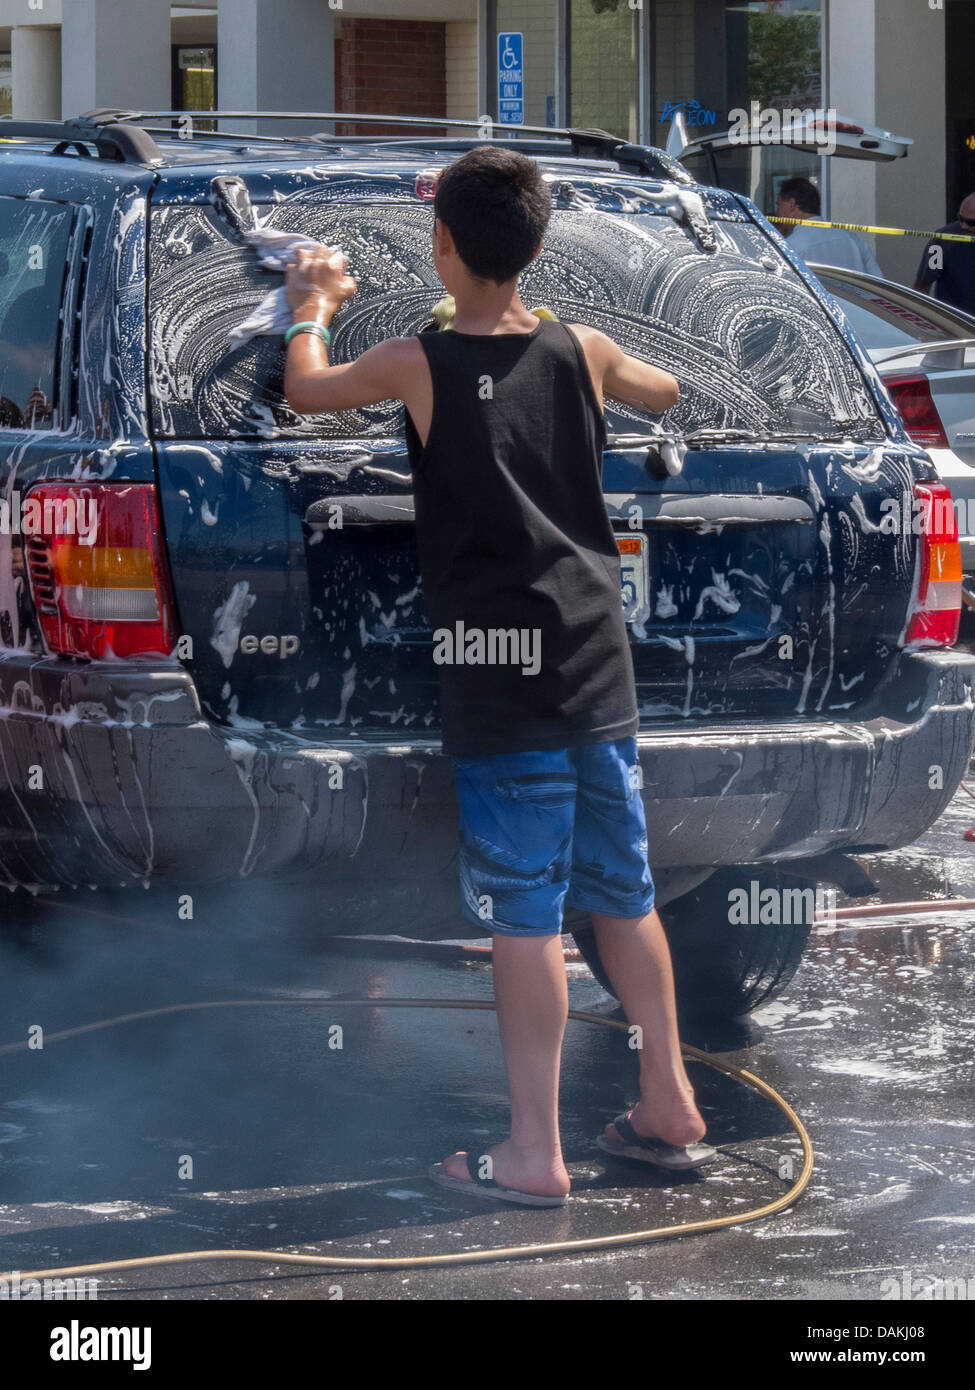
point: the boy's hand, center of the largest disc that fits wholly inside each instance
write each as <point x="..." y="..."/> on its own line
<point x="318" y="282"/>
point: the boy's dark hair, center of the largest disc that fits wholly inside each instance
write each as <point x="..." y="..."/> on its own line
<point x="496" y="206"/>
<point x="805" y="193"/>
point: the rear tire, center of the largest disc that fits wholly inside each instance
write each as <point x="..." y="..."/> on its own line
<point x="721" y="969"/>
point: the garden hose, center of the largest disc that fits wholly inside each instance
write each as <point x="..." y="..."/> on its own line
<point x="515" y="1252"/>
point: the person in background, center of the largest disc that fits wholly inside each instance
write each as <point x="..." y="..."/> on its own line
<point x="947" y="268"/>
<point x="820" y="245"/>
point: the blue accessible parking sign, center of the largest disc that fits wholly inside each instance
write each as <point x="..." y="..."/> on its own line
<point x="511" y="80"/>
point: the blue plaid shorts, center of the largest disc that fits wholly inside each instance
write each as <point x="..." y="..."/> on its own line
<point x="546" y="830"/>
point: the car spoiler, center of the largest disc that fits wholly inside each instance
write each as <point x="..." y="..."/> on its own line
<point x="852" y="139"/>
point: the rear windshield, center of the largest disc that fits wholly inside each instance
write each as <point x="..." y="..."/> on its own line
<point x="739" y="329"/>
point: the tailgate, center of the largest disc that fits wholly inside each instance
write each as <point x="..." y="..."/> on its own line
<point x="784" y="592"/>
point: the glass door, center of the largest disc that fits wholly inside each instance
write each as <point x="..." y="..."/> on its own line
<point x="195" y="80"/>
<point x="603" y="87"/>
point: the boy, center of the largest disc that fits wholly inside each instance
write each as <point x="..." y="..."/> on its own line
<point x="505" y="433"/>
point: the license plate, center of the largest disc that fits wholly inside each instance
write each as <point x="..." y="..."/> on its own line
<point x="634" y="578"/>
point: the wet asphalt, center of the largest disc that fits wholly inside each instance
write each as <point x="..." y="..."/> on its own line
<point x="260" y="1126"/>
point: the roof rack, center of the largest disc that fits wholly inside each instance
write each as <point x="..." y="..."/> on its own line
<point x="101" y="128"/>
<point x="584" y="143"/>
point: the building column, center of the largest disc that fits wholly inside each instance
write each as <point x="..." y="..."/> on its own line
<point x="276" y="55"/>
<point x="870" y="80"/>
<point x="852" y="92"/>
<point x="911" y="100"/>
<point x="115" y="53"/>
<point x="35" y="62"/>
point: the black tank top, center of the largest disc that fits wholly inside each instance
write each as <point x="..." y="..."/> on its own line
<point x="518" y="561"/>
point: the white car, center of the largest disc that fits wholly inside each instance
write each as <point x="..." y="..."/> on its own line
<point x="923" y="349"/>
<point x="925" y="352"/>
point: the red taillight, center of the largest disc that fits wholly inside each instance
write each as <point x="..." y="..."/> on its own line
<point x="937" y="604"/>
<point x="911" y="393"/>
<point x="100" y="584"/>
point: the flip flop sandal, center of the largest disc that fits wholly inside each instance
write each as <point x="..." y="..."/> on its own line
<point x="654" y="1151"/>
<point x="488" y="1188"/>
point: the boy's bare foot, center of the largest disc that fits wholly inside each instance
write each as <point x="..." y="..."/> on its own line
<point x="525" y="1170"/>
<point x="678" y="1122"/>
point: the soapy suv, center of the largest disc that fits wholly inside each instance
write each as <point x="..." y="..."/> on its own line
<point x="215" y="656"/>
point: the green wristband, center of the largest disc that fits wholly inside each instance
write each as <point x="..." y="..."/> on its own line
<point x="308" y="327"/>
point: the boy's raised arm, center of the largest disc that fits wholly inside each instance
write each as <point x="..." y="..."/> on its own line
<point x="312" y="387"/>
<point x="637" y="383"/>
<point x="626" y="378"/>
<point x="317" y="285"/>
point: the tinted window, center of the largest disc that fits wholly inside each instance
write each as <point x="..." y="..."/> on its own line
<point x="738" y="327"/>
<point x="34" y="239"/>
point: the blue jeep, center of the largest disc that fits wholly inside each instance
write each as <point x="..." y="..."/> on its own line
<point x="215" y="657"/>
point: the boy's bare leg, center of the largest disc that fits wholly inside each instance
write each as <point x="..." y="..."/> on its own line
<point x="636" y="957"/>
<point x="532" y="1000"/>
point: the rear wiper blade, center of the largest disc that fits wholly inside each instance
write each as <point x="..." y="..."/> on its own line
<point x="722" y="437"/>
<point x="665" y="452"/>
<point x="748" y="437"/>
<point x="640" y="441"/>
<point x="682" y="442"/>
<point x="637" y="441"/>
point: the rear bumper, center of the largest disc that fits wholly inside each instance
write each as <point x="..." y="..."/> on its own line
<point x="110" y="775"/>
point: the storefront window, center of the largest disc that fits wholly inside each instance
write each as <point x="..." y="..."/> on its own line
<point x="195" y="80"/>
<point x="770" y="53"/>
<point x="774" y="58"/>
<point x="6" y="85"/>
<point x="604" y="66"/>
<point x="960" y="103"/>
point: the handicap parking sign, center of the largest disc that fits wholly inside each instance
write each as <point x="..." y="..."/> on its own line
<point x="511" y="80"/>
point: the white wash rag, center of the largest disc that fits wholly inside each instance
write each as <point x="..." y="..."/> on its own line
<point x="277" y="250"/>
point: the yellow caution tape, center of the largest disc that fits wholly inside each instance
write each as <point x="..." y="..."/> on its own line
<point x="882" y="231"/>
